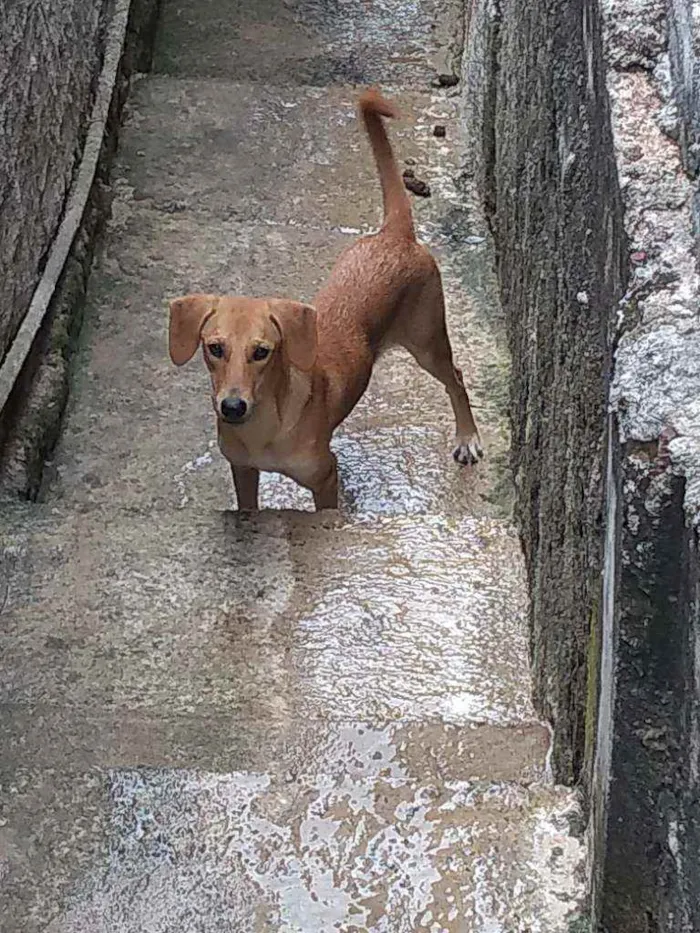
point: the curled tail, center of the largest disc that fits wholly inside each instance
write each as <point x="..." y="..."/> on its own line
<point x="397" y="208"/>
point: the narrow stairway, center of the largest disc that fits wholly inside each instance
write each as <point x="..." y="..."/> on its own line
<point x="215" y="723"/>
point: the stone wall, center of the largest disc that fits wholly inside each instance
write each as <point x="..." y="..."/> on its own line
<point x="554" y="206"/>
<point x="46" y="120"/>
<point x="586" y="136"/>
<point x="648" y="866"/>
<point x="50" y="59"/>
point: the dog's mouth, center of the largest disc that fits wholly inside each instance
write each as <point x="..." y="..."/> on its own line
<point x="236" y="422"/>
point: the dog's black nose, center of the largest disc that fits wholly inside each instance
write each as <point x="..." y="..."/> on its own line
<point x="233" y="409"/>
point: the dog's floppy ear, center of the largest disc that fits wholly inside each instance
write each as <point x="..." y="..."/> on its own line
<point x="187" y="317"/>
<point x="297" y="324"/>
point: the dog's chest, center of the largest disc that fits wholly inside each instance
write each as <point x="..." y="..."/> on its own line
<point x="272" y="456"/>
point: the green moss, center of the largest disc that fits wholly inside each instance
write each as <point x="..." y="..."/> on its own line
<point x="580" y="925"/>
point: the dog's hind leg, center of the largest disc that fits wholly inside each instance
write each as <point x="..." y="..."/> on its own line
<point x="425" y="337"/>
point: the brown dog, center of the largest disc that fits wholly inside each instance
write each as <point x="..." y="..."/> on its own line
<point x="285" y="374"/>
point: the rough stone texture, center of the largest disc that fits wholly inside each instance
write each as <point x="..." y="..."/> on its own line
<point x="684" y="70"/>
<point x="51" y="55"/>
<point x="31" y="419"/>
<point x="554" y="206"/>
<point x="647" y="873"/>
<point x="590" y="177"/>
<point x="478" y="92"/>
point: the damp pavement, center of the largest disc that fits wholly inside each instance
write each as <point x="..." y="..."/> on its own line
<point x="289" y="722"/>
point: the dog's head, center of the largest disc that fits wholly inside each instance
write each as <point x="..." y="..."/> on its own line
<point x="248" y="344"/>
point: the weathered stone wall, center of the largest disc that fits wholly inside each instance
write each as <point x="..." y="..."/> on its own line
<point x="684" y="58"/>
<point x="554" y="206"/>
<point x="587" y="131"/>
<point x="647" y="846"/>
<point x="30" y="420"/>
<point x="50" y="59"/>
<point x="648" y="866"/>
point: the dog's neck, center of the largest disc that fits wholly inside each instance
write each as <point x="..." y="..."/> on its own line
<point x="292" y="401"/>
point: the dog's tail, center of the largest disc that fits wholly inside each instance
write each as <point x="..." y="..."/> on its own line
<point x="397" y="208"/>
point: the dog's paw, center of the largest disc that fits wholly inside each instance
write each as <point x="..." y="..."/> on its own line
<point x="468" y="451"/>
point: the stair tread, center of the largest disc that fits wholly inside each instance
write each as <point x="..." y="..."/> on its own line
<point x="290" y="721"/>
<point x="162" y="849"/>
<point x="140" y="430"/>
<point x="170" y="611"/>
<point x="309" y="42"/>
<point x="276" y="154"/>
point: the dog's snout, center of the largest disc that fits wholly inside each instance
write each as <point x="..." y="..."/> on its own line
<point x="234" y="409"/>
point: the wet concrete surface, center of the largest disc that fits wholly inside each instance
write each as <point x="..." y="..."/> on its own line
<point x="127" y="595"/>
<point x="311" y="42"/>
<point x="155" y="253"/>
<point x="288" y="722"/>
<point x="271" y="154"/>
<point x="205" y="852"/>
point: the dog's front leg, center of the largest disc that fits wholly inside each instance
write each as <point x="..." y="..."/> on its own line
<point x="326" y="493"/>
<point x="246" y="481"/>
<point x="324" y="484"/>
<point x="317" y="470"/>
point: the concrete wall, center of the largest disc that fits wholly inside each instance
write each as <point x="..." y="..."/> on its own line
<point x="50" y="58"/>
<point x="648" y="869"/>
<point x="54" y="61"/>
<point x="587" y="127"/>
<point x="553" y="202"/>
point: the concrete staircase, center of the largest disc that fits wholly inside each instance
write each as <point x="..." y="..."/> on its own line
<point x="290" y="722"/>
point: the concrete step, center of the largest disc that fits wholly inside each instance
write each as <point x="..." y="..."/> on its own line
<point x="305" y="722"/>
<point x="159" y="851"/>
<point x="40" y="737"/>
<point x="217" y="723"/>
<point x="280" y="617"/>
<point x="309" y="41"/>
<point x="279" y="154"/>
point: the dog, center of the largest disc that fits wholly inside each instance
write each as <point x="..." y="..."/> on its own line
<point x="285" y="374"/>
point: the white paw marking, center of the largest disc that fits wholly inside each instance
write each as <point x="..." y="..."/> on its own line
<point x="468" y="451"/>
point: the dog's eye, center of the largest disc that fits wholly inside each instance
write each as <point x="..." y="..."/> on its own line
<point x="216" y="350"/>
<point x="261" y="353"/>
